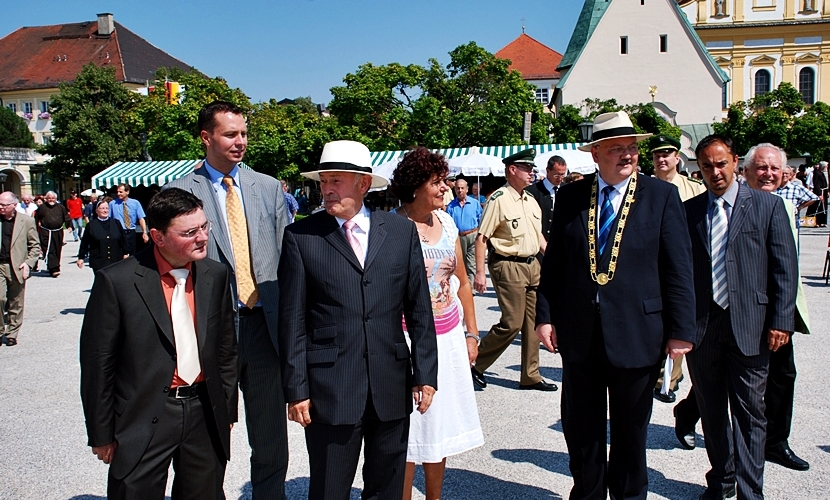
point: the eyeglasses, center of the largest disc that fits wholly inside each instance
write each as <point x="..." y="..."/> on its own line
<point x="524" y="168"/>
<point x="619" y="150"/>
<point x="195" y="231"/>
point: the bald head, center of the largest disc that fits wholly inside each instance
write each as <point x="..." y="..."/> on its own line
<point x="8" y="204"/>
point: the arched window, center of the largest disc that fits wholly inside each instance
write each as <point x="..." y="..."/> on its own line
<point x="763" y="82"/>
<point x="807" y="85"/>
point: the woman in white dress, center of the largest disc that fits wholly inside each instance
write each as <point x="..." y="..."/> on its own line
<point x="451" y="425"/>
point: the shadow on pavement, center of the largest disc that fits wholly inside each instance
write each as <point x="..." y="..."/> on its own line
<point x="87" y="497"/>
<point x="73" y="310"/>
<point x="295" y="489"/>
<point x="459" y="483"/>
<point x="825" y="448"/>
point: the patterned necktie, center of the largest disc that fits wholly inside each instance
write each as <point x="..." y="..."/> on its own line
<point x="718" y="237"/>
<point x="128" y="224"/>
<point x="238" y="226"/>
<point x="350" y="237"/>
<point x="187" y="349"/>
<point x="606" y="218"/>
<point x="555" y="189"/>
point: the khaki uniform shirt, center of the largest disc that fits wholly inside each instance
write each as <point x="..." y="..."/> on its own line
<point x="512" y="222"/>
<point x="688" y="188"/>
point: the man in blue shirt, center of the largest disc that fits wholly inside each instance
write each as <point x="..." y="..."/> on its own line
<point x="290" y="202"/>
<point x="466" y="212"/>
<point x="128" y="212"/>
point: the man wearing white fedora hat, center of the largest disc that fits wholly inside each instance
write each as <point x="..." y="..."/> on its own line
<point x="349" y="276"/>
<point x="613" y="300"/>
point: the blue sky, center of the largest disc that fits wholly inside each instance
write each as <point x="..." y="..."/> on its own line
<point x="292" y="48"/>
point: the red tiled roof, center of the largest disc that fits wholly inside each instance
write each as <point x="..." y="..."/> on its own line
<point x="533" y="59"/>
<point x="44" y="56"/>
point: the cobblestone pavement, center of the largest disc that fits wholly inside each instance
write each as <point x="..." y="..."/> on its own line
<point x="43" y="441"/>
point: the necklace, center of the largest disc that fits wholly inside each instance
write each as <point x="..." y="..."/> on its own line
<point x="604" y="278"/>
<point x="428" y="223"/>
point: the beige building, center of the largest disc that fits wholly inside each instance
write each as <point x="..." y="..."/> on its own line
<point x="761" y="43"/>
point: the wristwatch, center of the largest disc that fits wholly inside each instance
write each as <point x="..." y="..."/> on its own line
<point x="468" y="335"/>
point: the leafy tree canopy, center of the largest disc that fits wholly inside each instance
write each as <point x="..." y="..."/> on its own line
<point x="14" y="132"/>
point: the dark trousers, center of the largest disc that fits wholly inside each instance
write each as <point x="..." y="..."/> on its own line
<point x="687" y="411"/>
<point x="185" y="434"/>
<point x="725" y="379"/>
<point x="265" y="411"/>
<point x="780" y="395"/>
<point x="334" y="450"/>
<point x="129" y="241"/>
<point x="51" y="242"/>
<point x="586" y="387"/>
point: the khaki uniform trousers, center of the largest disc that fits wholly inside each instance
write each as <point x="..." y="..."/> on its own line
<point x="468" y="248"/>
<point x="11" y="293"/>
<point x="515" y="284"/>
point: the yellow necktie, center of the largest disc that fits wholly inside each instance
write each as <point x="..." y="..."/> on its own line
<point x="128" y="224"/>
<point x="245" y="283"/>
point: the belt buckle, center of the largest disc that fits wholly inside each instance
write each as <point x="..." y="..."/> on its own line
<point x="530" y="259"/>
<point x="179" y="395"/>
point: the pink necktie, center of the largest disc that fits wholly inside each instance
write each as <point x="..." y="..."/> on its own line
<point x="350" y="237"/>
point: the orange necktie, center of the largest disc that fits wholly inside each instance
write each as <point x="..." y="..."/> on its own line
<point x="238" y="226"/>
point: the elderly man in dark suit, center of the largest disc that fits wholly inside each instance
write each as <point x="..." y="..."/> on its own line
<point x="158" y="361"/>
<point x="746" y="278"/>
<point x="248" y="214"/>
<point x="614" y="300"/>
<point x="349" y="377"/>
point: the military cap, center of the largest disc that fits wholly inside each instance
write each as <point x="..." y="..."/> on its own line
<point x="521" y="158"/>
<point x="661" y="142"/>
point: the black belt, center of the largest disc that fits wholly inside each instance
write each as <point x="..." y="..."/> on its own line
<point x="187" y="391"/>
<point x="249" y="311"/>
<point x="5" y="261"/>
<point x="512" y="258"/>
<point x="129" y="230"/>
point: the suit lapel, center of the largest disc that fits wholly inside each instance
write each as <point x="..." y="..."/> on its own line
<point x="148" y="284"/>
<point x="335" y="237"/>
<point x="700" y="214"/>
<point x="743" y="203"/>
<point x="204" y="190"/>
<point x="250" y="200"/>
<point x="202" y="286"/>
<point x="377" y="234"/>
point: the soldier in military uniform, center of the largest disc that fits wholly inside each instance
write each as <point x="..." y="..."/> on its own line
<point x="512" y="232"/>
<point x="664" y="153"/>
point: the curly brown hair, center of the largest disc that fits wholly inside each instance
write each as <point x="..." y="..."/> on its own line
<point x="415" y="169"/>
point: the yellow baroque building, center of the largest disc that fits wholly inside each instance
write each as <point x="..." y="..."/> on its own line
<point x="762" y="43"/>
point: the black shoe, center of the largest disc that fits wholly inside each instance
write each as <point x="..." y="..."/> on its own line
<point x="11" y="342"/>
<point x="671" y="397"/>
<point x="784" y="456"/>
<point x="478" y="378"/>
<point x="540" y="386"/>
<point x="713" y="494"/>
<point x="684" y="433"/>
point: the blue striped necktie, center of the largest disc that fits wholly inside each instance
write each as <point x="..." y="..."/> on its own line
<point x="718" y="237"/>
<point x="606" y="218"/>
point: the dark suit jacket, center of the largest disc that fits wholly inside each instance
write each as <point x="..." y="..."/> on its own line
<point x="105" y="246"/>
<point x="25" y="244"/>
<point x="761" y="266"/>
<point x="339" y="315"/>
<point x="546" y="201"/>
<point x="649" y="300"/>
<point x="264" y="203"/>
<point x="128" y="355"/>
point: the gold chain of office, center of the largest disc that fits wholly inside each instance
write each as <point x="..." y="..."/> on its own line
<point x="604" y="278"/>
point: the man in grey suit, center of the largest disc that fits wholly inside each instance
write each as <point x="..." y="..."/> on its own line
<point x="746" y="273"/>
<point x="248" y="214"/>
<point x="349" y="376"/>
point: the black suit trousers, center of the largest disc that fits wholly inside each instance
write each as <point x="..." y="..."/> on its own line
<point x="736" y="451"/>
<point x="780" y="395"/>
<point x="334" y="451"/>
<point x="261" y="382"/>
<point x="586" y="386"/>
<point x="185" y="433"/>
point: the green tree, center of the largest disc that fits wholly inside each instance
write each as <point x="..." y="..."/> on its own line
<point x="810" y="133"/>
<point x="91" y="126"/>
<point x="171" y="128"/>
<point x="14" y="132"/>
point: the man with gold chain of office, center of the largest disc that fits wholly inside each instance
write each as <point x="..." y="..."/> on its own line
<point x="511" y="230"/>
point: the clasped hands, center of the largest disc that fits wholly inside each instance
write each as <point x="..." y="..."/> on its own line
<point x="547" y="336"/>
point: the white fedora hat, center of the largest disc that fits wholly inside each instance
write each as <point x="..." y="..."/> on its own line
<point x="347" y="156"/>
<point x="612" y="126"/>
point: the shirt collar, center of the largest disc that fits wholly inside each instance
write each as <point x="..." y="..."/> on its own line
<point x="217" y="176"/>
<point x="617" y="187"/>
<point x="729" y="196"/>
<point x="361" y="219"/>
<point x="513" y="193"/>
<point x="548" y="184"/>
<point x="164" y="267"/>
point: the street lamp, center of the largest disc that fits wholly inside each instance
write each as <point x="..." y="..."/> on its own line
<point x="586" y="131"/>
<point x="144" y="147"/>
<point x="3" y="178"/>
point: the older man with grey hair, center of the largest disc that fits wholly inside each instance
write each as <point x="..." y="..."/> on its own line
<point x="51" y="218"/>
<point x="19" y="250"/>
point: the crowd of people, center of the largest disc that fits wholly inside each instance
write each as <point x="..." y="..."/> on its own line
<point x="360" y="324"/>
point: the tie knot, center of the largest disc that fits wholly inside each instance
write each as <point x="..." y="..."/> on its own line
<point x="228" y="181"/>
<point x="180" y="275"/>
<point x="719" y="202"/>
<point x="349" y="225"/>
<point x="607" y="190"/>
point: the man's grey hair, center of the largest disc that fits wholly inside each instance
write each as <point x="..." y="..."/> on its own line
<point x="822" y="164"/>
<point x="50" y="193"/>
<point x="749" y="159"/>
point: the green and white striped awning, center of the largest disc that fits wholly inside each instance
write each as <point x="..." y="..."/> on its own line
<point x="380" y="157"/>
<point x="144" y="173"/>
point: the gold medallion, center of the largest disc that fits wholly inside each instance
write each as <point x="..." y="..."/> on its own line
<point x="602" y="278"/>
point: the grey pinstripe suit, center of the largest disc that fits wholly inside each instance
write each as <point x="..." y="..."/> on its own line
<point x="259" y="376"/>
<point x="344" y="348"/>
<point x="731" y="345"/>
